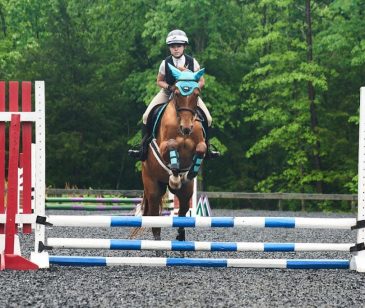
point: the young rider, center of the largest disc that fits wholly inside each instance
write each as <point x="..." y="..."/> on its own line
<point x="177" y="41"/>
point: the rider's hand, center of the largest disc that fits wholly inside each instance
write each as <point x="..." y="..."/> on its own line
<point x="171" y="88"/>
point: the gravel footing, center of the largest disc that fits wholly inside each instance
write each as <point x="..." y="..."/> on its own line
<point x="189" y="286"/>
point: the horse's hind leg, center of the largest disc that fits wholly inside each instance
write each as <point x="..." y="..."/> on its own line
<point x="147" y="211"/>
<point x="153" y="194"/>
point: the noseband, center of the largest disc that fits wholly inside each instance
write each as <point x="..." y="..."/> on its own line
<point x="178" y="109"/>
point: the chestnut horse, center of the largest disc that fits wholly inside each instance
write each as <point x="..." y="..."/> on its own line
<point x="177" y="150"/>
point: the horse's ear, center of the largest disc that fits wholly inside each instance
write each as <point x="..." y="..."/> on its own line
<point x="175" y="72"/>
<point x="199" y="73"/>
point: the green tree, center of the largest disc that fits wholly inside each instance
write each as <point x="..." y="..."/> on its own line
<point x="278" y="101"/>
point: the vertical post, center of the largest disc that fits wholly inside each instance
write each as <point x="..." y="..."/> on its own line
<point x="194" y="198"/>
<point x="12" y="201"/>
<point x="33" y="150"/>
<point x="13" y="96"/>
<point x="40" y="161"/>
<point x="358" y="261"/>
<point x="361" y="163"/>
<point x="20" y="183"/>
<point x="302" y="205"/>
<point x="26" y="147"/>
<point x="353" y="206"/>
<point x="361" y="187"/>
<point x="2" y="155"/>
<point x="13" y="101"/>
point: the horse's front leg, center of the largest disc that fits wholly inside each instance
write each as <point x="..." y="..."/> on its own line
<point x="197" y="161"/>
<point x="173" y="154"/>
<point x="184" y="195"/>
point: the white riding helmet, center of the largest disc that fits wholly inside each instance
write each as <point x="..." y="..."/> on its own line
<point x="177" y="37"/>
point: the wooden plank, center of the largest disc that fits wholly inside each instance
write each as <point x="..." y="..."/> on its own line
<point x="13" y="106"/>
<point x="26" y="147"/>
<point x="12" y="200"/>
<point x="13" y="96"/>
<point x="2" y="155"/>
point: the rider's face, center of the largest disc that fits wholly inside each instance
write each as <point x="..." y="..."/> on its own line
<point x="177" y="50"/>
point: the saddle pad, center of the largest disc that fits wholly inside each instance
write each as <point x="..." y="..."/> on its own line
<point x="156" y="118"/>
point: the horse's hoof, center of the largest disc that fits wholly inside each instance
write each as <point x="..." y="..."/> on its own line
<point x="175" y="182"/>
<point x="180" y="237"/>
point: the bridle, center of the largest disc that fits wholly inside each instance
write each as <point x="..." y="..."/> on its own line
<point x="178" y="109"/>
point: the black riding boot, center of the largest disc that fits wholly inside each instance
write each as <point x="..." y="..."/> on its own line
<point x="211" y="153"/>
<point x="141" y="154"/>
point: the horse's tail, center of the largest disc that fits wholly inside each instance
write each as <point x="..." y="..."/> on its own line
<point x="139" y="212"/>
<point x="165" y="202"/>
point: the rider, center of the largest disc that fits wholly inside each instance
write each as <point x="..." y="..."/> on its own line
<point x="177" y="41"/>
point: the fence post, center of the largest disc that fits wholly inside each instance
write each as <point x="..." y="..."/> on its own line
<point x="302" y="205"/>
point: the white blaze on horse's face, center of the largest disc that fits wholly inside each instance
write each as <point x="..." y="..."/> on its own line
<point x="186" y="107"/>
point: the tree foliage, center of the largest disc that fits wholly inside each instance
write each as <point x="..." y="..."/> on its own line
<point x="283" y="89"/>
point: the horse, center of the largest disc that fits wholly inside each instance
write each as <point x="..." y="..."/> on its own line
<point x="176" y="151"/>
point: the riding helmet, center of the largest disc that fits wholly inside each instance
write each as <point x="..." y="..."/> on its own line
<point x="177" y="37"/>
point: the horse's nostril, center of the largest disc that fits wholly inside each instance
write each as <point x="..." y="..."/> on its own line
<point x="186" y="131"/>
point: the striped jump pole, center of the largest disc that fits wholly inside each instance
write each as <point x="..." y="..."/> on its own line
<point x="115" y="244"/>
<point x="196" y="222"/>
<point x="201" y="262"/>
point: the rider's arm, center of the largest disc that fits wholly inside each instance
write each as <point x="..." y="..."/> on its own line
<point x="161" y="82"/>
<point x="201" y="82"/>
<point x="161" y="77"/>
<point x="197" y="68"/>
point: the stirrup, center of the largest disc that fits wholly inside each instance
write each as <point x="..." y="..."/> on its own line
<point x="212" y="153"/>
<point x="134" y="153"/>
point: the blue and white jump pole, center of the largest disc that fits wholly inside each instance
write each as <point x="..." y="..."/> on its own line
<point x="115" y="244"/>
<point x="200" y="222"/>
<point x="201" y="262"/>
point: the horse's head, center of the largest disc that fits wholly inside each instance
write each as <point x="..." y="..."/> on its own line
<point x="186" y="97"/>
